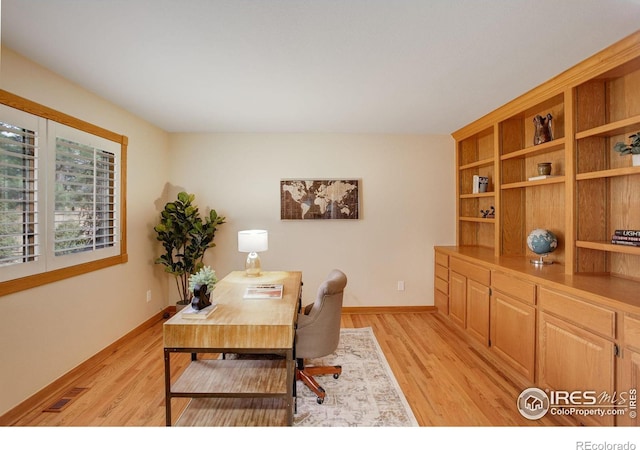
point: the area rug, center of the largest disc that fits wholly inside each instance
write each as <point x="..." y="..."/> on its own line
<point x="365" y="395"/>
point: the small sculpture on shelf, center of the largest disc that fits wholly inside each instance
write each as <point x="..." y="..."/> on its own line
<point x="543" y="132"/>
<point x="488" y="213"/>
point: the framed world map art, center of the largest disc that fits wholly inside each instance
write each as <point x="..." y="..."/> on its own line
<point x="319" y="199"/>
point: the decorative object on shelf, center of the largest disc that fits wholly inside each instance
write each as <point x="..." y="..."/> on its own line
<point x="544" y="168"/>
<point x="480" y="184"/>
<point x="626" y="237"/>
<point x="632" y="149"/>
<point x="488" y="213"/>
<point x="202" y="284"/>
<point x="185" y="237"/>
<point x="542" y="242"/>
<point x="543" y="131"/>
<point x="253" y="241"/>
<point x="319" y="199"/>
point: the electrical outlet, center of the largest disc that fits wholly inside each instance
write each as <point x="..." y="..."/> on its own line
<point x="401" y="285"/>
<point x="148" y="295"/>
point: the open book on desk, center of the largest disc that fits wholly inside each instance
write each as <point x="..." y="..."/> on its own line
<point x="266" y="290"/>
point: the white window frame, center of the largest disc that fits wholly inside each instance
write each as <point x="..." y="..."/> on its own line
<point x="50" y="124"/>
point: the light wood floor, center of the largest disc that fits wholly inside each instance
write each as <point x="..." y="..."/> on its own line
<point x="446" y="382"/>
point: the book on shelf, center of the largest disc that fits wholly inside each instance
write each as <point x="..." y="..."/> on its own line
<point x="204" y="313"/>
<point x="541" y="177"/>
<point x="627" y="233"/>
<point x="480" y="184"/>
<point x="626" y="238"/>
<point x="622" y="242"/>
<point x="273" y="291"/>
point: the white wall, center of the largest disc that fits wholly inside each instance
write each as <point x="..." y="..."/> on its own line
<point x="48" y="330"/>
<point x="408" y="206"/>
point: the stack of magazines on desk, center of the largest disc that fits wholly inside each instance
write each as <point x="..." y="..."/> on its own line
<point x="626" y="237"/>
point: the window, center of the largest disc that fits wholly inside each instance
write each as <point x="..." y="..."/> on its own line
<point x="61" y="191"/>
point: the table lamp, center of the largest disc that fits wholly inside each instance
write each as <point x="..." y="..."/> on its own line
<point x="253" y="241"/>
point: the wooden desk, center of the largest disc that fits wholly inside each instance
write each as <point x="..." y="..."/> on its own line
<point x="237" y="326"/>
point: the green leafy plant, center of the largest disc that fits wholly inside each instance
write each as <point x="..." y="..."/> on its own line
<point x="205" y="276"/>
<point x="632" y="148"/>
<point x="185" y="237"/>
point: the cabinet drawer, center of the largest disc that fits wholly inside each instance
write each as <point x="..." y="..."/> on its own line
<point x="442" y="259"/>
<point x="442" y="272"/>
<point x="631" y="332"/>
<point x="584" y="314"/>
<point x="442" y="286"/>
<point x="471" y="271"/>
<point x="519" y="289"/>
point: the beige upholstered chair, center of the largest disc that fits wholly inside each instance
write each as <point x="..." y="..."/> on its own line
<point x="318" y="332"/>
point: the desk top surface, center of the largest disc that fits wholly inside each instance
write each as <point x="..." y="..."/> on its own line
<point x="238" y="322"/>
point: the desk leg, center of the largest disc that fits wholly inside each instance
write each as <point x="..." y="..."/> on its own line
<point x="167" y="386"/>
<point x="291" y="391"/>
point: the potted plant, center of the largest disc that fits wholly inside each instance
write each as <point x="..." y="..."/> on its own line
<point x="185" y="237"/>
<point x="632" y="149"/>
<point x="201" y="284"/>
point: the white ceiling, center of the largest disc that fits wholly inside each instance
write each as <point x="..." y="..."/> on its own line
<point x="379" y="66"/>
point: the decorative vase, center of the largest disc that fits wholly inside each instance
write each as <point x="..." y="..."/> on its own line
<point x="635" y="159"/>
<point x="544" y="168"/>
<point x="543" y="130"/>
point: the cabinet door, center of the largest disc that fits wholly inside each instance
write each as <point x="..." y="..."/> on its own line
<point x="573" y="359"/>
<point x="513" y="332"/>
<point x="458" y="299"/>
<point x="478" y="311"/>
<point x="629" y="384"/>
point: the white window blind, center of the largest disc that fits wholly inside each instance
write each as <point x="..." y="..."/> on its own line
<point x="83" y="191"/>
<point x="21" y="206"/>
<point x="85" y="210"/>
<point x="18" y="197"/>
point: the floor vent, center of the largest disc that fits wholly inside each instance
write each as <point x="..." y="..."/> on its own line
<point x="66" y="399"/>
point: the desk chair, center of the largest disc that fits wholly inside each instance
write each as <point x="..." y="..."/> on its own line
<point x="318" y="332"/>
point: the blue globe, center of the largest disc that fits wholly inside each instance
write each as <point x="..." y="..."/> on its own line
<point x="541" y="241"/>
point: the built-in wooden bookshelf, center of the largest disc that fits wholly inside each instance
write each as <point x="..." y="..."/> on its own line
<point x="573" y="325"/>
<point x="593" y="190"/>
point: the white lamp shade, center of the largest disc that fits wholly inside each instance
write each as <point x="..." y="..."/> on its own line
<point x="253" y="241"/>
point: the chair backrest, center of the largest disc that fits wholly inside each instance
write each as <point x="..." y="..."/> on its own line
<point x="318" y="332"/>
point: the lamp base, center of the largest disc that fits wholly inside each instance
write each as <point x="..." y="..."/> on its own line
<point x="252" y="266"/>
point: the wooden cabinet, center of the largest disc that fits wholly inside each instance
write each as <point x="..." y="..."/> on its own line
<point x="573" y="359"/>
<point x="478" y="311"/>
<point x="458" y="299"/>
<point x="441" y="283"/>
<point x="576" y="348"/>
<point x="469" y="298"/>
<point x="629" y="373"/>
<point x="572" y="325"/>
<point x="513" y="323"/>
